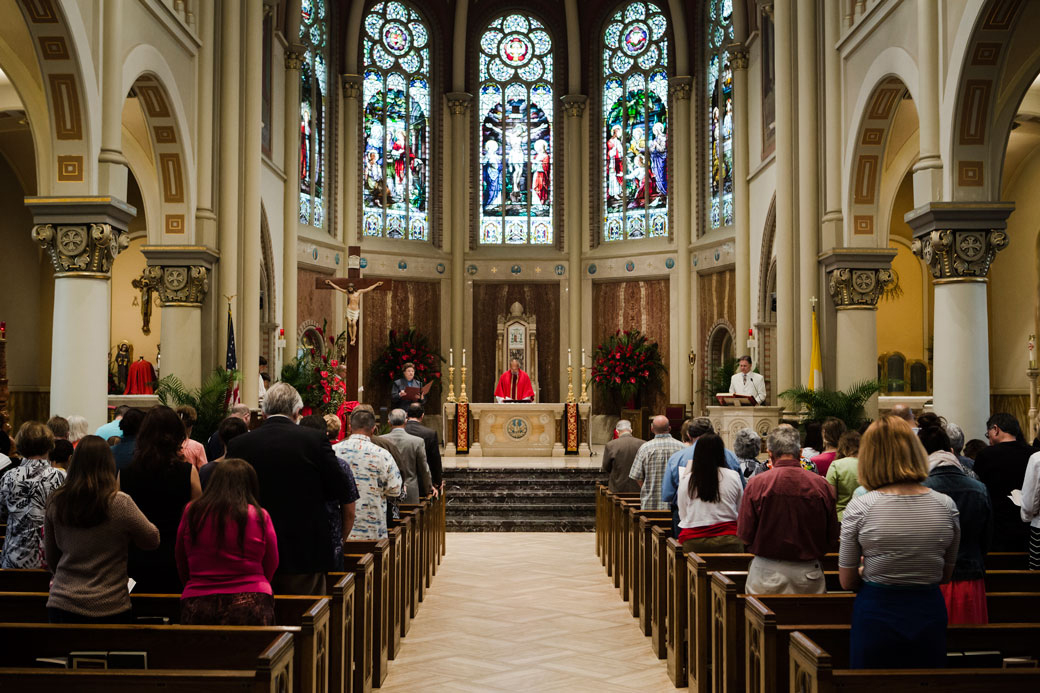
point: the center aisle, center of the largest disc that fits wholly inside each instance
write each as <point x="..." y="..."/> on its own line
<point x="524" y="611"/>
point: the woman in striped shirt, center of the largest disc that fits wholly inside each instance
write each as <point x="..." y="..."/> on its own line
<point x="907" y="537"/>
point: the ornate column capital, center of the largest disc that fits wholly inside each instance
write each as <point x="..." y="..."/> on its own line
<point x="178" y="285"/>
<point x="81" y="235"/>
<point x="351" y="85"/>
<point x="459" y="102"/>
<point x="738" y="55"/>
<point x="680" y="87"/>
<point x="294" y="56"/>
<point x="574" y="105"/>
<point x="767" y="8"/>
<point x="858" y="288"/>
<point x="959" y="241"/>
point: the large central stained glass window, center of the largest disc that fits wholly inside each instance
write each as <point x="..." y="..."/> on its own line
<point x="396" y="99"/>
<point x="635" y="123"/>
<point x="515" y="133"/>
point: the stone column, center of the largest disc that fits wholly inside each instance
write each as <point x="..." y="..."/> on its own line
<point x="82" y="237"/>
<point x="228" y="212"/>
<point x="856" y="278"/>
<point x="574" y="108"/>
<point x="738" y="60"/>
<point x="958" y="241"/>
<point x="205" y="219"/>
<point x="351" y="179"/>
<point x="808" y="181"/>
<point x="786" y="315"/>
<point x="291" y="189"/>
<point x="458" y="105"/>
<point x="928" y="184"/>
<point x="249" y="305"/>
<point x="112" y="170"/>
<point x="681" y="127"/>
<point x="832" y="218"/>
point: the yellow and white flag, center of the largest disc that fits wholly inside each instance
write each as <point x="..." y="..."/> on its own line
<point x="815" y="361"/>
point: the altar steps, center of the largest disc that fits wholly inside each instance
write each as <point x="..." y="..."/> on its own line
<point x="521" y="500"/>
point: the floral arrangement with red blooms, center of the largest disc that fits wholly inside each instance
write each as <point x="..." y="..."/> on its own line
<point x="404" y="347"/>
<point x="626" y="364"/>
<point x="315" y="376"/>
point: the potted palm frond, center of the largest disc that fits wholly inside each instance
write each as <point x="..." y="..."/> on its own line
<point x="210" y="401"/>
<point x="849" y="404"/>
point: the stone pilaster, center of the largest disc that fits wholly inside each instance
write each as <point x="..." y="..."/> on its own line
<point x="456" y="189"/>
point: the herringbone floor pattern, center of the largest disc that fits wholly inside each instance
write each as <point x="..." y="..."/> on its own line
<point x="524" y="612"/>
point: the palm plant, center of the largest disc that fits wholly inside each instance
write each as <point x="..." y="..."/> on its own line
<point x="719" y="377"/>
<point x="849" y="405"/>
<point x="210" y="401"/>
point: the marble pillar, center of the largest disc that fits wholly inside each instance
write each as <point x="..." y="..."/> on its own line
<point x="927" y="171"/>
<point x="291" y="188"/>
<point x="681" y="88"/>
<point x="227" y="202"/>
<point x="82" y="236"/>
<point x="808" y="228"/>
<point x="832" y="225"/>
<point x="786" y="312"/>
<point x="112" y="168"/>
<point x="958" y="242"/>
<point x="856" y="278"/>
<point x="574" y="108"/>
<point x="458" y="106"/>
<point x="738" y="60"/>
<point x="249" y="340"/>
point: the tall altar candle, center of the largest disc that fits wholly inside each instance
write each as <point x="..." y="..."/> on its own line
<point x="583" y="356"/>
<point x="463" y="357"/>
<point x="451" y="357"/>
<point x="568" y="357"/>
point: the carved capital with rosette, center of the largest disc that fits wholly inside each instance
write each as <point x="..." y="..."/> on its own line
<point x="80" y="249"/>
<point x="857" y="287"/>
<point x="179" y="285"/>
<point x="954" y="254"/>
<point x="459" y="102"/>
<point x="574" y="106"/>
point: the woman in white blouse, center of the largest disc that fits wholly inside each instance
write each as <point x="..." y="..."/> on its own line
<point x="1031" y="508"/>
<point x="709" y="496"/>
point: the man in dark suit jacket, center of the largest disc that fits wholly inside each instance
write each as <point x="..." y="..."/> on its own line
<point x="415" y="426"/>
<point x="618" y="457"/>
<point x="298" y="473"/>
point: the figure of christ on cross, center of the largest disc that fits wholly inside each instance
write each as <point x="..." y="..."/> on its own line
<point x="354" y="288"/>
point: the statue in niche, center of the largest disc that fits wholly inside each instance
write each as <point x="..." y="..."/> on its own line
<point x="119" y="367"/>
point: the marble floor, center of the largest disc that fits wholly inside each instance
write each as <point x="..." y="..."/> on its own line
<point x="524" y="612"/>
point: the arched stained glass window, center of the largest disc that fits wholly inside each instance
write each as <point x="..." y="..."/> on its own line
<point x="720" y="112"/>
<point x="396" y="101"/>
<point x="313" y="90"/>
<point x="635" y="123"/>
<point x="515" y="133"/>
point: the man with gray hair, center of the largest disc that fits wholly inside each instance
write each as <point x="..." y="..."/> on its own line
<point x="412" y="462"/>
<point x="956" y="435"/>
<point x="618" y="456"/>
<point x="648" y="468"/>
<point x="215" y="446"/>
<point x="788" y="521"/>
<point x="298" y="473"/>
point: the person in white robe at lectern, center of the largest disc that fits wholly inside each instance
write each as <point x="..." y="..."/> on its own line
<point x="744" y="382"/>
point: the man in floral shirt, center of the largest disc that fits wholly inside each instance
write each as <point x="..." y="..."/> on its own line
<point x="375" y="473"/>
<point x="23" y="497"/>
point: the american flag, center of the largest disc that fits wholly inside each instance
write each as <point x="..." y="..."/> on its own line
<point x="231" y="362"/>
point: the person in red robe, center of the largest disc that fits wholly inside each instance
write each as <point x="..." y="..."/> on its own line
<point x="514" y="385"/>
<point x="140" y="378"/>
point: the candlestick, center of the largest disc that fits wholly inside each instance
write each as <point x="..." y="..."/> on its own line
<point x="584" y="397"/>
<point x="451" y="383"/>
<point x="570" y="383"/>
<point x="463" y="398"/>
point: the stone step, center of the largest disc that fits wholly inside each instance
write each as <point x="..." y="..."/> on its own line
<point x="521" y="524"/>
<point x="581" y="509"/>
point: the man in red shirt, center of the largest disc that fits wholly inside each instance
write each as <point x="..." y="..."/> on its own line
<point x="788" y="521"/>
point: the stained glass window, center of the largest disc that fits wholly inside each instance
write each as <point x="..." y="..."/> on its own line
<point x="515" y="132"/>
<point x="720" y="113"/>
<point x="396" y="125"/>
<point x="635" y="123"/>
<point x="313" y="91"/>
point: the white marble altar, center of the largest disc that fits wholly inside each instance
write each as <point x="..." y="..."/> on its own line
<point x="516" y="430"/>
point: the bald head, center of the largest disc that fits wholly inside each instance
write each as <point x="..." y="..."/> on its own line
<point x="660" y="425"/>
<point x="904" y="412"/>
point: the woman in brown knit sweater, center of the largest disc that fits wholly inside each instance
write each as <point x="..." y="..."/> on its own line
<point x="87" y="530"/>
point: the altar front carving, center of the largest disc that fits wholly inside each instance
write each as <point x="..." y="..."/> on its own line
<point x="516" y="430"/>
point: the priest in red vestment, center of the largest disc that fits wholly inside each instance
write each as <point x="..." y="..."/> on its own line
<point x="514" y="385"/>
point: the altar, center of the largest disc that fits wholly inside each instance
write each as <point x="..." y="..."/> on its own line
<point x="535" y="429"/>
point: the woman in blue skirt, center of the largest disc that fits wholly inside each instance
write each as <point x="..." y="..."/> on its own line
<point x="907" y="536"/>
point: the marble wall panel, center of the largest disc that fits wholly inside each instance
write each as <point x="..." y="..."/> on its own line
<point x="493" y="299"/>
<point x="314" y="306"/>
<point x="639" y="305"/>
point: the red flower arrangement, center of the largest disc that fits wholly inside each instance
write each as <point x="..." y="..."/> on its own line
<point x="317" y="378"/>
<point x="411" y="346"/>
<point x="626" y="364"/>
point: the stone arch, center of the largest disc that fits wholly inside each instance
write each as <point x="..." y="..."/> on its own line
<point x="766" y="263"/>
<point x="985" y="89"/>
<point x="68" y="164"/>
<point x="865" y="160"/>
<point x="146" y="76"/>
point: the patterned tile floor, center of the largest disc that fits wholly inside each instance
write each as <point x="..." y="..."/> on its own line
<point x="524" y="612"/>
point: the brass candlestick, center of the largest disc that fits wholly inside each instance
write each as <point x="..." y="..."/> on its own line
<point x="451" y="383"/>
<point x="584" y="397"/>
<point x="462" y="388"/>
<point x="570" y="385"/>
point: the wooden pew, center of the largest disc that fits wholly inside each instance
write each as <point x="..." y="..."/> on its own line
<point x="816" y="670"/>
<point x="340" y="587"/>
<point x="364" y="645"/>
<point x="657" y="592"/>
<point x="418" y="552"/>
<point x="395" y="535"/>
<point x="380" y="601"/>
<point x="310" y="614"/>
<point x="769" y="621"/>
<point x="179" y="657"/>
<point x="675" y="609"/>
<point x="640" y="581"/>
<point x="408" y="526"/>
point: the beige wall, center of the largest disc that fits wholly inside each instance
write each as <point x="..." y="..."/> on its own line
<point x="126" y="304"/>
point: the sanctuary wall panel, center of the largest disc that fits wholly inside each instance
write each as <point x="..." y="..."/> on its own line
<point x="632" y="305"/>
<point x="406" y="305"/>
<point x="717" y="307"/>
<point x="314" y="306"/>
<point x="493" y="299"/>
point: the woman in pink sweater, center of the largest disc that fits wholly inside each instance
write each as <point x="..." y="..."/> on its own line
<point x="227" y="552"/>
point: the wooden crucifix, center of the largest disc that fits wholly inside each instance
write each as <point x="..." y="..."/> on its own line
<point x="354" y="287"/>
